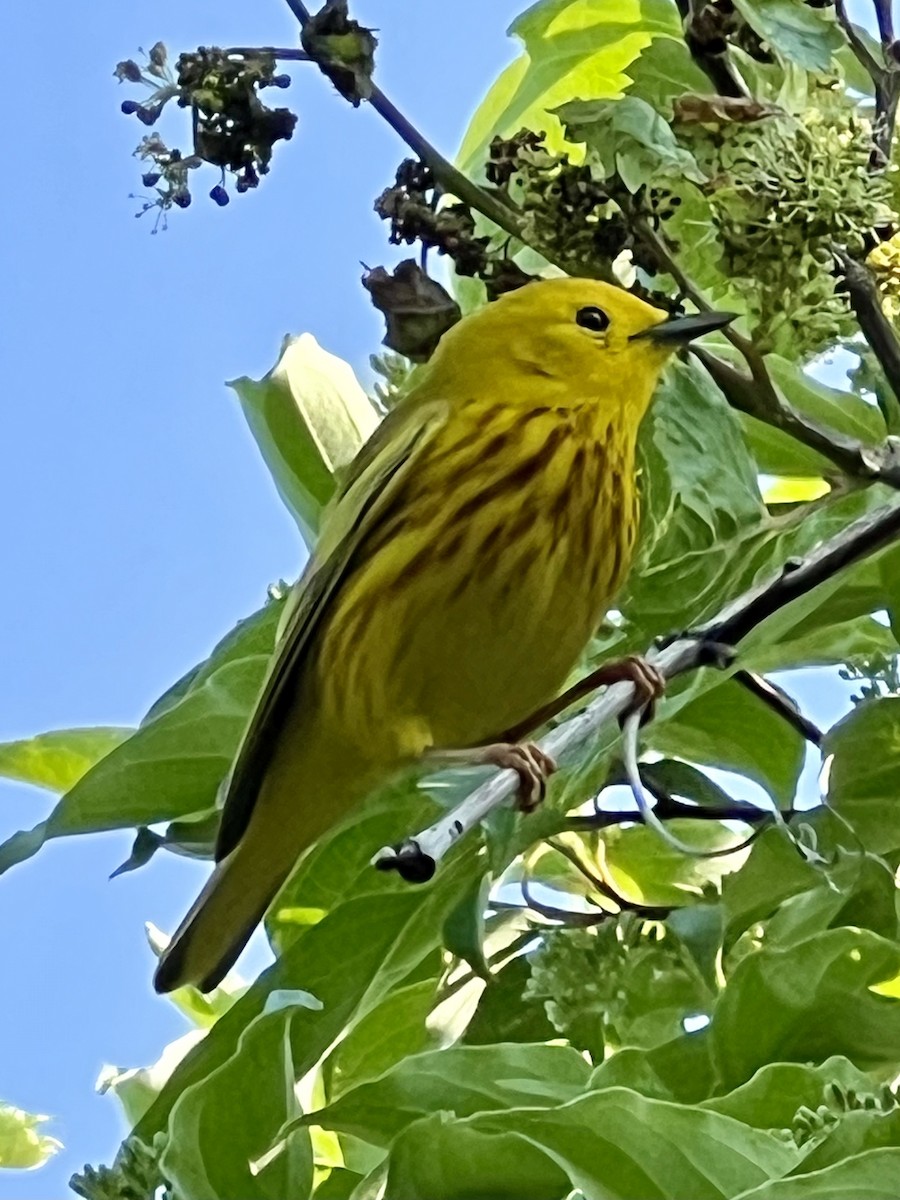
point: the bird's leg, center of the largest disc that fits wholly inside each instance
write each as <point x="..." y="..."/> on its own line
<point x="649" y="685"/>
<point x="533" y="766"/>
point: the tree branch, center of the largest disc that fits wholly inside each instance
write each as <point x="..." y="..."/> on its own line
<point x="781" y="703"/>
<point x="447" y="175"/>
<point x="417" y="858"/>
<point x="885" y="77"/>
<point x="875" y="327"/>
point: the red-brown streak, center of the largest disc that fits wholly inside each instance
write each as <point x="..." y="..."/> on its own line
<point x="516" y="478"/>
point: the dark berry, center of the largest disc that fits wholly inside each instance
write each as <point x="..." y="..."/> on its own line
<point x="182" y="199"/>
<point x="148" y="116"/>
<point x="220" y="196"/>
<point x="129" y="107"/>
<point x="281" y="81"/>
<point x="150" y="179"/>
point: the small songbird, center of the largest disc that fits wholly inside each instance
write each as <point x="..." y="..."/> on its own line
<point x="469" y="555"/>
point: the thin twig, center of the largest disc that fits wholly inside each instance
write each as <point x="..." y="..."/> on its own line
<point x="781" y="703"/>
<point x="418" y="856"/>
<point x="875" y="327"/>
<point x="447" y="175"/>
<point x="885" y="78"/>
<point x="286" y="54"/>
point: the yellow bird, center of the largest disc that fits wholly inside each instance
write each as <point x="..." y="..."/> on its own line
<point x="469" y="556"/>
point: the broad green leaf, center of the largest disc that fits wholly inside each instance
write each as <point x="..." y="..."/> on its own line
<point x="57" y="760"/>
<point x="339" y="865"/>
<point x="172" y="765"/>
<point x="463" y="1080"/>
<point x="679" y="1070"/>
<point x="770" y="1098"/>
<point x="309" y="416"/>
<point x="682" y="779"/>
<point x="646" y="870"/>
<point x="725" y="728"/>
<point x="805" y="35"/>
<point x="868" y="1176"/>
<point x="817" y="1000"/>
<point x="390" y="1033"/>
<point x="22" y="1146"/>
<point x="700" y="496"/>
<point x="137" y="1087"/>
<point x="843" y="411"/>
<point x="854" y="1133"/>
<point x="573" y="49"/>
<point x="609" y="1144"/>
<point x="664" y="70"/>
<point x="628" y="138"/>
<point x="858" y="890"/>
<point x="506" y="1014"/>
<point x="773" y="872"/>
<point x="464" y="927"/>
<point x="862" y="782"/>
<point x="350" y="960"/>
<point x="220" y="1145"/>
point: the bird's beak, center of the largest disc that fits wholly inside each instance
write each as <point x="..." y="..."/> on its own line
<point x="677" y="330"/>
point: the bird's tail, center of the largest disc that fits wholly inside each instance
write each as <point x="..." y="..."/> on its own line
<point x="222" y="918"/>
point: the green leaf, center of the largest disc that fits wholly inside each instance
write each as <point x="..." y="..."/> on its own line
<point x="679" y="1070"/>
<point x="770" y="1098"/>
<point x="573" y="48"/>
<point x="630" y="139"/>
<point x="170" y="767"/>
<point x="137" y="1087"/>
<point x="868" y="1176"/>
<point x="773" y="872"/>
<point x="460" y="1079"/>
<point x="807" y="36"/>
<point x="219" y="1145"/>
<point x="391" y="1032"/>
<point x="854" y="1133"/>
<point x="862" y="783"/>
<point x="647" y="870"/>
<point x="817" y="1002"/>
<point x="57" y="760"/>
<point x="608" y="1144"/>
<point x="22" y="1147"/>
<point x="505" y="1014"/>
<point x="726" y="728"/>
<point x="700" y="501"/>
<point x="350" y="960"/>
<point x="309" y="416"/>
<point x="339" y="866"/>
<point x="464" y="928"/>
<point x="664" y="70"/>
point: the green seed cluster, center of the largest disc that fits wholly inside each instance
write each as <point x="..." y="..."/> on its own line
<point x="566" y="209"/>
<point x="783" y="191"/>
<point x="599" y="985"/>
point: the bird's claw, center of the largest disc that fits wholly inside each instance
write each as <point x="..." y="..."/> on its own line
<point x="649" y="686"/>
<point x="533" y="766"/>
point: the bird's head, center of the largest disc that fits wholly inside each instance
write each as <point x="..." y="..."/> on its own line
<point x="581" y="335"/>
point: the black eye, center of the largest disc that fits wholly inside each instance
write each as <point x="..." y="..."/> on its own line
<point x="592" y="318"/>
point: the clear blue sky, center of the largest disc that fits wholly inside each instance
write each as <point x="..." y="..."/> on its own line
<point x="138" y="523"/>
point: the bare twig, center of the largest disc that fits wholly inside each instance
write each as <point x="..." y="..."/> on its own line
<point x="450" y="178"/>
<point x="706" y="44"/>
<point x="781" y="703"/>
<point x="418" y="857"/>
<point x="875" y="326"/>
<point x="885" y="76"/>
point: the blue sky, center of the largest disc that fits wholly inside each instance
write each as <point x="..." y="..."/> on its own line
<point x="138" y="522"/>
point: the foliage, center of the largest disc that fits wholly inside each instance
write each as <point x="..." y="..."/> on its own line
<point x="573" y="1007"/>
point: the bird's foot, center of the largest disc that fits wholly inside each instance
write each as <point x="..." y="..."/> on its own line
<point x="532" y="765"/>
<point x="648" y="682"/>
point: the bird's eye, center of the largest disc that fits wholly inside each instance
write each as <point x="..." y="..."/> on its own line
<point x="592" y="318"/>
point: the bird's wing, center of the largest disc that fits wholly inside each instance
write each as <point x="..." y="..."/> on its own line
<point x="364" y="496"/>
